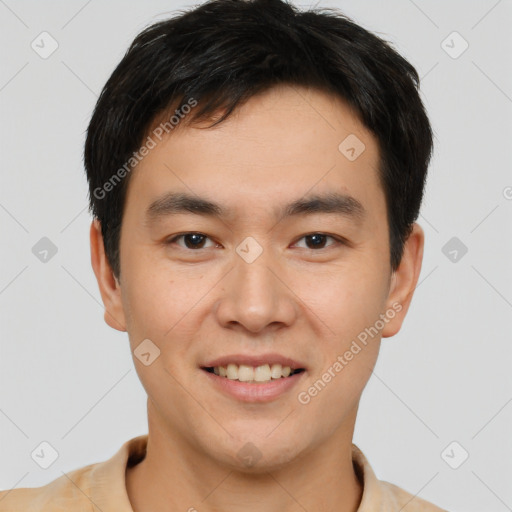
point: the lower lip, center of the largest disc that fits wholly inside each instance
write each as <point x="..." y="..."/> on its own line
<point x="256" y="392"/>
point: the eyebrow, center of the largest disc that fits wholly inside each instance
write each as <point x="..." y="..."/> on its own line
<point x="174" y="203"/>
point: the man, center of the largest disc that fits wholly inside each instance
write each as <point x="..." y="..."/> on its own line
<point x="255" y="175"/>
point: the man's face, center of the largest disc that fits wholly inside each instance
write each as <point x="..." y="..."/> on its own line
<point x="258" y="285"/>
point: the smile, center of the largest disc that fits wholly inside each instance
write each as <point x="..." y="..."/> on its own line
<point x="253" y="374"/>
<point x="250" y="378"/>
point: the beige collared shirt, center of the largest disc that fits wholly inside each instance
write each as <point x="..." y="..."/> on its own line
<point x="101" y="487"/>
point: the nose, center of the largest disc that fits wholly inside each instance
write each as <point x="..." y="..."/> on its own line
<point x="255" y="296"/>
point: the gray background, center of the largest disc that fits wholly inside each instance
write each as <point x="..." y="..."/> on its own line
<point x="68" y="379"/>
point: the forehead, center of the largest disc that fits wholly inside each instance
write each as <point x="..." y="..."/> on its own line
<point x="281" y="144"/>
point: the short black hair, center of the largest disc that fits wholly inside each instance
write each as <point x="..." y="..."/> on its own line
<point x="221" y="53"/>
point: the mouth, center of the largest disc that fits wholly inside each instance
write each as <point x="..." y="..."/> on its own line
<point x="260" y="374"/>
<point x="263" y="378"/>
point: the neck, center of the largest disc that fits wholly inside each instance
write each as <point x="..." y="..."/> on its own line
<point x="174" y="476"/>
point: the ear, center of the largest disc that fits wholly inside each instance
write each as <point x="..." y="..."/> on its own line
<point x="404" y="281"/>
<point x="110" y="288"/>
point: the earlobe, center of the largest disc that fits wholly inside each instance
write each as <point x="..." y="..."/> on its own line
<point x="404" y="281"/>
<point x="108" y="284"/>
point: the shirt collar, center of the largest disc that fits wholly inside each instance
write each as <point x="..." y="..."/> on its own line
<point x="373" y="499"/>
<point x="108" y="478"/>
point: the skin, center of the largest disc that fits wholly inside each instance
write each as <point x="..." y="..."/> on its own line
<point x="294" y="299"/>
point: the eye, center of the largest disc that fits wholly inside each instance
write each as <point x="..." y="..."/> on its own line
<point x="192" y="240"/>
<point x="195" y="241"/>
<point x="317" y="240"/>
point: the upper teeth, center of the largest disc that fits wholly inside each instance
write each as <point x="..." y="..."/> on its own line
<point x="246" y="373"/>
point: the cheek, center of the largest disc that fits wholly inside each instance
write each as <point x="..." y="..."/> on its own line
<point x="347" y="300"/>
<point x="155" y="298"/>
<point x="349" y="303"/>
<point x="334" y="394"/>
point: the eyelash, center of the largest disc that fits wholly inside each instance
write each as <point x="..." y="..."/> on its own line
<point x="338" y="240"/>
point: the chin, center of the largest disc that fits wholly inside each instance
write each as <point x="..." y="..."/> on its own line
<point x="253" y="452"/>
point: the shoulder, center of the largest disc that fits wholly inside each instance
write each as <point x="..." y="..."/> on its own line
<point x="385" y="496"/>
<point x="399" y="499"/>
<point x="98" y="486"/>
<point x="68" y="490"/>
